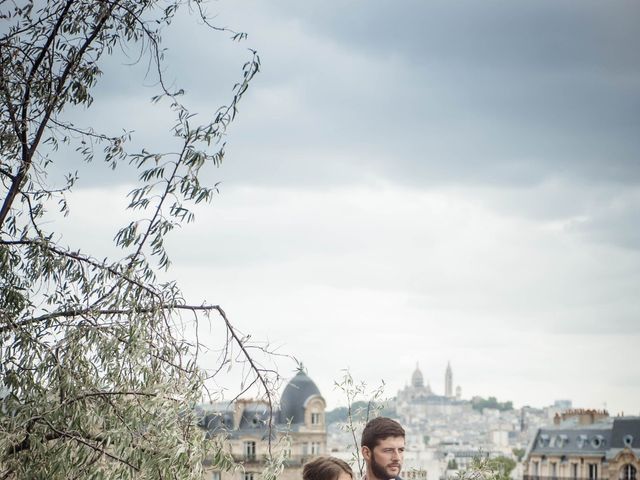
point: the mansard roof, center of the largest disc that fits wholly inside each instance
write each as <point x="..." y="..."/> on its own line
<point x="605" y="438"/>
<point x="626" y="433"/>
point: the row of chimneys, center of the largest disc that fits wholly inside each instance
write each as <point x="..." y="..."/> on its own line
<point x="585" y="416"/>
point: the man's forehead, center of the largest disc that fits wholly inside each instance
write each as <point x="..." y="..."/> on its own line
<point x="391" y="442"/>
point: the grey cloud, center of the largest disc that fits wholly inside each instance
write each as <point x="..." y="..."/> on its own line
<point x="614" y="221"/>
<point x="464" y="93"/>
<point x="477" y="94"/>
<point x="546" y="34"/>
<point x="420" y="93"/>
<point x="602" y="212"/>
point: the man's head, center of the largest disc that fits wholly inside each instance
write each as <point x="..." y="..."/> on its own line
<point x="383" y="448"/>
<point x="327" y="468"/>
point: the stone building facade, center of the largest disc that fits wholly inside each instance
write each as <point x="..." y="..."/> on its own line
<point x="298" y="431"/>
<point x="585" y="445"/>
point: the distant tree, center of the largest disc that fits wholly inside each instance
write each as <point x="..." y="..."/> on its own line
<point x="341" y="414"/>
<point x="97" y="378"/>
<point x="519" y="453"/>
<point x="502" y="466"/>
<point x="479" y="403"/>
<point x="452" y="465"/>
<point x="388" y="411"/>
<point x="484" y="468"/>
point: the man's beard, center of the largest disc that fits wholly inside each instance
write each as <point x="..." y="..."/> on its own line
<point x="379" y="471"/>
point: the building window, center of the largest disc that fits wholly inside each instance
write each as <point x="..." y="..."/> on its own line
<point x="593" y="471"/>
<point x="315" y="418"/>
<point x="247" y="476"/>
<point x="215" y="476"/>
<point x="554" y="470"/>
<point x="314" y="448"/>
<point x="597" y="441"/>
<point x="543" y="441"/>
<point x="249" y="451"/>
<point x="628" y="472"/>
<point x="574" y="471"/>
<point x="536" y="469"/>
<point x="580" y="441"/>
<point x="562" y="440"/>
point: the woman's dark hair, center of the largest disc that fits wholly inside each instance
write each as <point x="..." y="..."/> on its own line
<point x="325" y="468"/>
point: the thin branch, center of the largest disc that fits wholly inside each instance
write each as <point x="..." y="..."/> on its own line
<point x="7" y="173"/>
<point x="77" y="312"/>
<point x="70" y="68"/>
<point x="205" y="19"/>
<point x="81" y="258"/>
<point x="79" y="439"/>
<point x="253" y="365"/>
<point x="7" y="98"/>
<point x="158" y="209"/>
<point x="36" y="64"/>
<point x="29" y="27"/>
<point x="87" y="133"/>
<point x="27" y="153"/>
<point x="155" y="49"/>
<point x="26" y="444"/>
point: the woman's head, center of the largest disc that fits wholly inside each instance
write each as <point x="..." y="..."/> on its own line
<point x="327" y="468"/>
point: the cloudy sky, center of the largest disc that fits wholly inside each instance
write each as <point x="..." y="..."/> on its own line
<point x="416" y="181"/>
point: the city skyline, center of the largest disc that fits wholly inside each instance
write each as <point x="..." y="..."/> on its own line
<point x="438" y="388"/>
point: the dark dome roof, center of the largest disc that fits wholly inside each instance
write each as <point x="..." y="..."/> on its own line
<point x="294" y="397"/>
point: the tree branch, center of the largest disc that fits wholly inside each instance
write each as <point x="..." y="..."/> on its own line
<point x="253" y="365"/>
<point x="108" y="312"/>
<point x="82" y="439"/>
<point x="84" y="259"/>
<point x="27" y="153"/>
<point x="28" y="150"/>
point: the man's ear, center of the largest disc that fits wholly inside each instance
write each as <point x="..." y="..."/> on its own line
<point x="366" y="453"/>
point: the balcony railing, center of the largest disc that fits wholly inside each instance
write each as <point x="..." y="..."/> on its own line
<point x="248" y="458"/>
<point x="292" y="460"/>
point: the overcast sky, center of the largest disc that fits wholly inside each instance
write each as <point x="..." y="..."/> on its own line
<point x="416" y="181"/>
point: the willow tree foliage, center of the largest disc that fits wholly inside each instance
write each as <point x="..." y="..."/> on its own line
<point x="97" y="378"/>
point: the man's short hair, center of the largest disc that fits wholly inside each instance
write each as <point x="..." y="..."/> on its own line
<point x="325" y="468"/>
<point x="378" y="429"/>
